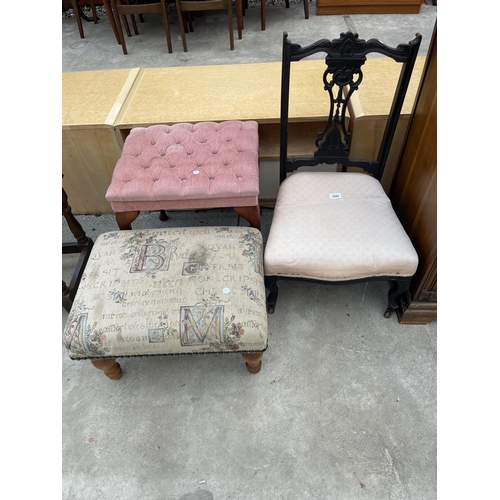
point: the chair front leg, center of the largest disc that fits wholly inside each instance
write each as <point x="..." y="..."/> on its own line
<point x="398" y="290"/>
<point x="271" y="283"/>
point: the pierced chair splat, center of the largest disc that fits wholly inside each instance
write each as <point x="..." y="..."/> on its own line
<point x="186" y="167"/>
<point x="339" y="226"/>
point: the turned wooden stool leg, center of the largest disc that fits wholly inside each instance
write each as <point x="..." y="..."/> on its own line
<point x="125" y="219"/>
<point x="254" y="361"/>
<point x="250" y="214"/>
<point x="111" y="368"/>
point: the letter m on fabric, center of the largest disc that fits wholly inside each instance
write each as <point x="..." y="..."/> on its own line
<point x="201" y="324"/>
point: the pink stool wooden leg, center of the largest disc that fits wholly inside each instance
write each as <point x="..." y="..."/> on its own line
<point x="250" y="214"/>
<point x="125" y="219"/>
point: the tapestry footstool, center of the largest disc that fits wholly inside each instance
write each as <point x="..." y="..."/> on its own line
<point x="173" y="291"/>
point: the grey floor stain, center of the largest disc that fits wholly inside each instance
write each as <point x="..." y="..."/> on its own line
<point x="198" y="495"/>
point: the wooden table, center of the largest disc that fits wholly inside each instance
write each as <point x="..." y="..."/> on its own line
<point x="91" y="101"/>
<point x="341" y="7"/>
<point x="369" y="108"/>
<point x="101" y="107"/>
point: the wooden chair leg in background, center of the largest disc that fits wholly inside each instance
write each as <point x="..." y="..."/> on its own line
<point x="74" y="3"/>
<point x="66" y="297"/>
<point x="82" y="246"/>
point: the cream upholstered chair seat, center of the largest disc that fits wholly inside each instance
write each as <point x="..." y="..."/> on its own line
<point x="172" y="291"/>
<point x="336" y="226"/>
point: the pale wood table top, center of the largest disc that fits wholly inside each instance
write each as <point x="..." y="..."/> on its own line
<point x="375" y="94"/>
<point x="222" y="92"/>
<point x="126" y="98"/>
<point x="94" y="98"/>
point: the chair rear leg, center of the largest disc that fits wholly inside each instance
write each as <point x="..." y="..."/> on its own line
<point x="167" y="27"/>
<point x="127" y="28"/>
<point x="271" y="283"/>
<point x="306" y="9"/>
<point x="163" y="216"/>
<point x="182" y="25"/>
<point x="134" y="24"/>
<point x="74" y="4"/>
<point x="119" y="20"/>
<point x="239" y="18"/>
<point x="66" y="299"/>
<point x="94" y="12"/>
<point x="397" y="293"/>
<point x="230" y="22"/>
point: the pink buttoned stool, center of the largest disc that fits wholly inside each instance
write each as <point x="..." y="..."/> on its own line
<point x="187" y="166"/>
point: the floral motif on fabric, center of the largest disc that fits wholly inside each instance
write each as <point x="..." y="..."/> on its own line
<point x="251" y="293"/>
<point x="162" y="331"/>
<point x="84" y="339"/>
<point x="204" y="325"/>
<point x="253" y="250"/>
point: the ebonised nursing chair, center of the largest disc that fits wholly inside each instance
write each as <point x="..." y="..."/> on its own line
<point x="339" y="226"/>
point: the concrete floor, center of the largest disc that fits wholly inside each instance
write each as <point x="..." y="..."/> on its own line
<point x="209" y="43"/>
<point x="345" y="404"/>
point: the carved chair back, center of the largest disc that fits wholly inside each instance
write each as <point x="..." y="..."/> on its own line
<point x="342" y="77"/>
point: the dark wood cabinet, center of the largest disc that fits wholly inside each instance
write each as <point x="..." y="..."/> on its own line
<point x="341" y="7"/>
<point x="414" y="193"/>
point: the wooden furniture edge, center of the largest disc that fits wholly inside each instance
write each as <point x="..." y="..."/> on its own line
<point x="418" y="313"/>
<point x="326" y="9"/>
<point x="122" y="97"/>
